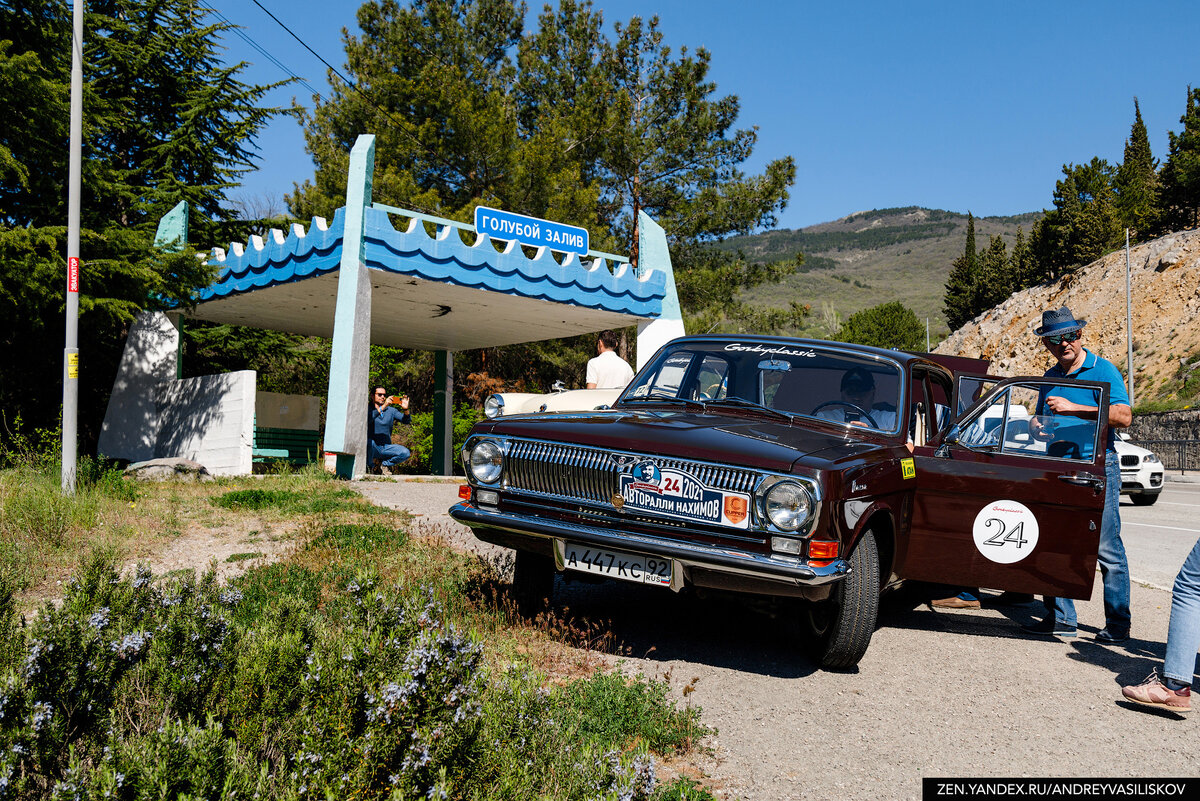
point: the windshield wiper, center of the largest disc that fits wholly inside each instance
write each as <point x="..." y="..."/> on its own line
<point x="664" y="398"/>
<point x="749" y="404"/>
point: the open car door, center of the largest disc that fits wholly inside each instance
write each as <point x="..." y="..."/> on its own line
<point x="1010" y="500"/>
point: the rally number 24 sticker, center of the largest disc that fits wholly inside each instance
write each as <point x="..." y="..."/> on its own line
<point x="1005" y="531"/>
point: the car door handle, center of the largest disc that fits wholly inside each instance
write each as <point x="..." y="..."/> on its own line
<point x="1083" y="480"/>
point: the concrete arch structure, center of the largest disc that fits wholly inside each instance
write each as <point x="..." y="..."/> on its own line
<point x="381" y="275"/>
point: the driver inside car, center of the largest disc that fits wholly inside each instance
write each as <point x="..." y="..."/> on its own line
<point x="858" y="402"/>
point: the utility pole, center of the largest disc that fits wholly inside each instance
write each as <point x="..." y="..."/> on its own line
<point x="1128" y="319"/>
<point x="70" y="405"/>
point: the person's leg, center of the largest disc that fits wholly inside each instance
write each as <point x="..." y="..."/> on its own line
<point x="1183" y="634"/>
<point x="1064" y="612"/>
<point x="394" y="454"/>
<point x="1114" y="567"/>
<point x="1060" y="619"/>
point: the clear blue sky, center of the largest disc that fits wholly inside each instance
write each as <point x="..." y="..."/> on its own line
<point x="954" y="105"/>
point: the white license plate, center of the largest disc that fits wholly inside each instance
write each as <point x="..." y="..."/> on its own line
<point x="618" y="565"/>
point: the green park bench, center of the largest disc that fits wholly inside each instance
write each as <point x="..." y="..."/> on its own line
<point x="297" y="441"/>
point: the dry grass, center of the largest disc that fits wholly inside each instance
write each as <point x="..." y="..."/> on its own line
<point x="170" y="525"/>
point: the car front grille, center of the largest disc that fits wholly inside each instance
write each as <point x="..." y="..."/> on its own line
<point x="1129" y="460"/>
<point x="573" y="472"/>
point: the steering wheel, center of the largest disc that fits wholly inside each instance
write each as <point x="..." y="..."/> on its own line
<point x="848" y="405"/>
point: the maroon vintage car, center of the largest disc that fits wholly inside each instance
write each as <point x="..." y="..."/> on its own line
<point x="802" y="468"/>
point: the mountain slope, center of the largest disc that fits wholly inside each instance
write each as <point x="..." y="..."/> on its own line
<point x="1165" y="279"/>
<point x="872" y="257"/>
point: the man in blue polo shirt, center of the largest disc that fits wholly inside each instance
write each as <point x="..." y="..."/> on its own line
<point x="1060" y="333"/>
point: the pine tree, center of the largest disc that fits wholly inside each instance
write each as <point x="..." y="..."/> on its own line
<point x="1137" y="181"/>
<point x="995" y="282"/>
<point x="1020" y="264"/>
<point x="163" y="122"/>
<point x="1180" y="178"/>
<point x="962" y="284"/>
<point x="671" y="148"/>
<point x="1084" y="223"/>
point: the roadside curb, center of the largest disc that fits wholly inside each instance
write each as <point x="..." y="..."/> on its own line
<point x="1182" y="478"/>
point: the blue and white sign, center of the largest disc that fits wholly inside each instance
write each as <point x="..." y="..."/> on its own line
<point x="531" y="231"/>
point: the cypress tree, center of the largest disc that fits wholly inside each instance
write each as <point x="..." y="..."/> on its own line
<point x="1137" y="181"/>
<point x="961" y="286"/>
<point x="1180" y="179"/>
<point x="994" y="284"/>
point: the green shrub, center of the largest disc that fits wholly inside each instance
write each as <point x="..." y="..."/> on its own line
<point x="259" y="589"/>
<point x="135" y="689"/>
<point x="609" y="707"/>
<point x="362" y="538"/>
<point x="419" y="439"/>
<point x="290" y="502"/>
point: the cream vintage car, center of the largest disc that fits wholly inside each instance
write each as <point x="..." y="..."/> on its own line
<point x="560" y="399"/>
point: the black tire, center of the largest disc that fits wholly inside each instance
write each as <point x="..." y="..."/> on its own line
<point x="841" y="627"/>
<point x="1143" y="499"/>
<point x="533" y="583"/>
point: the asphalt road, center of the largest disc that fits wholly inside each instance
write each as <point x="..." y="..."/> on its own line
<point x="1157" y="538"/>
<point x="938" y="694"/>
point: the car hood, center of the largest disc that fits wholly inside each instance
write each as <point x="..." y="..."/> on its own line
<point x="734" y="439"/>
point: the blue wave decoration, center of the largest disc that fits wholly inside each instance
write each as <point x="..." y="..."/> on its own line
<point x="443" y="258"/>
<point x="279" y="259"/>
<point x="447" y="259"/>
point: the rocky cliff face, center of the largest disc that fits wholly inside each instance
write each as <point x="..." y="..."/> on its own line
<point x="1165" y="279"/>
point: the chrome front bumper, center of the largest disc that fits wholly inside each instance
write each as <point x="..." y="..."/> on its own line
<point x="685" y="555"/>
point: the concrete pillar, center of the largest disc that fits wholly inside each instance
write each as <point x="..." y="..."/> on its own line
<point x="441" y="462"/>
<point x="346" y="409"/>
<point x="655" y="255"/>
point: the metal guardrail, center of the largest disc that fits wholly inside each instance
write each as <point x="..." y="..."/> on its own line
<point x="1176" y="454"/>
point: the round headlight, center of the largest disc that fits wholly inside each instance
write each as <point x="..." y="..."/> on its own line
<point x="487" y="462"/>
<point x="788" y="505"/>
<point x="493" y="406"/>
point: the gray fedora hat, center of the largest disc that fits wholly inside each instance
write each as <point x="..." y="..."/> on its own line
<point x="1059" y="321"/>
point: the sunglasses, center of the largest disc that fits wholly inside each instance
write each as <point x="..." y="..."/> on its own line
<point x="1058" y="339"/>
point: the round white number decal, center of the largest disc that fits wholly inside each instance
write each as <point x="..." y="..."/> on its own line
<point x="1005" y="531"/>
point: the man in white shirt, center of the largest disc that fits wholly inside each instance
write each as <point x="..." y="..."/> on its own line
<point x="608" y="370"/>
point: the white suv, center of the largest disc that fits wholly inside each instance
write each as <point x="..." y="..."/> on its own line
<point x="1141" y="472"/>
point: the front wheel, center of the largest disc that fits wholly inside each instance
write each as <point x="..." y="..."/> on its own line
<point x="533" y="582"/>
<point x="1143" y="499"/>
<point x="841" y="626"/>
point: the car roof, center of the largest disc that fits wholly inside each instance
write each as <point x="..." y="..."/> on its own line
<point x="955" y="364"/>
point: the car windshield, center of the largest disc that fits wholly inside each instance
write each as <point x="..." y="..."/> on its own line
<point x="838" y="386"/>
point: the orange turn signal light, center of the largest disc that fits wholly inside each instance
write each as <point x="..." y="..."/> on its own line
<point x="464" y="492"/>
<point x="823" y="549"/>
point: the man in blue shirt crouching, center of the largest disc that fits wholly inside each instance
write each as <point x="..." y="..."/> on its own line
<point x="379" y="431"/>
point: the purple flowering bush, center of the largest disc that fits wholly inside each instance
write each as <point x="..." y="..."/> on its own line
<point x="136" y="687"/>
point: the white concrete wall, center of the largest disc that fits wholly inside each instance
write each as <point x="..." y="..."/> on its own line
<point x="209" y="419"/>
<point x="149" y="361"/>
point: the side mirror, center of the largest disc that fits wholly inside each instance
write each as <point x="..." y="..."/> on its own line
<point x="950" y="438"/>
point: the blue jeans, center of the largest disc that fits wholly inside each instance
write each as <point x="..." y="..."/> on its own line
<point x="1114" y="567"/>
<point x="1183" y="636"/>
<point x="391" y="455"/>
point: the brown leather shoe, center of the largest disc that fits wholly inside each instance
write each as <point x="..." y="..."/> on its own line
<point x="956" y="602"/>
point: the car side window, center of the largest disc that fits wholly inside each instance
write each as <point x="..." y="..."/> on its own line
<point x="1009" y="425"/>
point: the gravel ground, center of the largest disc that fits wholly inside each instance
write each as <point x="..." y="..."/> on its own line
<point x="938" y="694"/>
